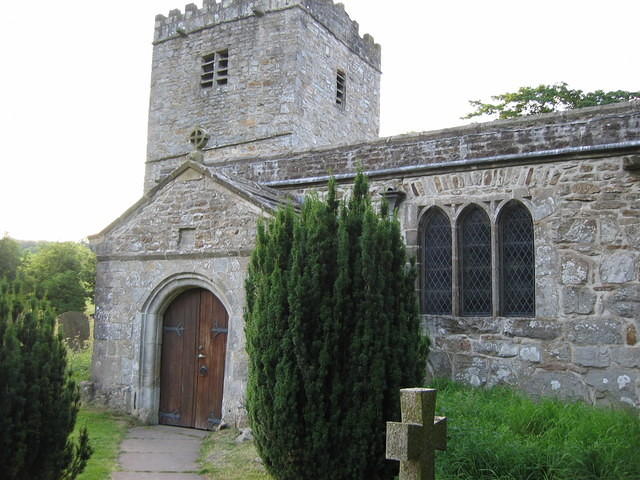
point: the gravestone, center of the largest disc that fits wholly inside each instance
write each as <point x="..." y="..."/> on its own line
<point x="74" y="327"/>
<point x="413" y="441"/>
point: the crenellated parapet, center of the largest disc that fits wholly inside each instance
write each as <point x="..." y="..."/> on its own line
<point x="332" y="15"/>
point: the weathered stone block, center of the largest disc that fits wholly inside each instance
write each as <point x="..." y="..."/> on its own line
<point x="626" y="357"/>
<point x="439" y="364"/>
<point x="575" y="271"/>
<point x="599" y="331"/>
<point x="471" y="370"/>
<point x="547" y="297"/>
<point x="531" y="353"/>
<point x="577" y="230"/>
<point x="496" y="348"/>
<point x="578" y="300"/>
<point x="592" y="356"/>
<point x="625" y="301"/>
<point x="538" y="329"/>
<point x="585" y="188"/>
<point x="615" y="386"/>
<point x="467" y="325"/>
<point x="565" y="385"/>
<point x="619" y="267"/>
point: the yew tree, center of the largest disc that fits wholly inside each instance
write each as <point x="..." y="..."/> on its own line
<point x="38" y="399"/>
<point x="332" y="333"/>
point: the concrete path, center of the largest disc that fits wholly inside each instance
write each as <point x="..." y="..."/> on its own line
<point x="160" y="453"/>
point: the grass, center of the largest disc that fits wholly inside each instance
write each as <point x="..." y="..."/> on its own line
<point x="500" y="434"/>
<point x="80" y="363"/>
<point x="223" y="459"/>
<point x="106" y="431"/>
<point x="494" y="434"/>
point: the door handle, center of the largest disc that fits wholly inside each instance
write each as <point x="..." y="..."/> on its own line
<point x="200" y="355"/>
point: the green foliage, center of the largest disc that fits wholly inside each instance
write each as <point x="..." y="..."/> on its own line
<point x="546" y="99"/>
<point x="38" y="400"/>
<point x="499" y="434"/>
<point x="10" y="254"/>
<point x="332" y="335"/>
<point x="64" y="272"/>
<point x="107" y="430"/>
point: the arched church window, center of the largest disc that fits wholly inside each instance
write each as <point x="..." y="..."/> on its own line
<point x="517" y="266"/>
<point x="474" y="241"/>
<point x="436" y="257"/>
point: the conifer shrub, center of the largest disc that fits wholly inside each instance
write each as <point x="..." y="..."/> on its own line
<point x="38" y="399"/>
<point x="332" y="333"/>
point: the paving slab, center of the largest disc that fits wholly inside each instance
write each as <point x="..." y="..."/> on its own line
<point x="160" y="452"/>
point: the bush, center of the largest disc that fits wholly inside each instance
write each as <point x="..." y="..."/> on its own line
<point x="332" y="335"/>
<point x="38" y="399"/>
<point x="500" y="434"/>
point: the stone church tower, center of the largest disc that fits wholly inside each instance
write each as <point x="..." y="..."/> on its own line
<point x="262" y="77"/>
<point x="256" y="79"/>
<point x="526" y="232"/>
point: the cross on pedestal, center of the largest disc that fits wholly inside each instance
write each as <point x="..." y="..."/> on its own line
<point x="414" y="440"/>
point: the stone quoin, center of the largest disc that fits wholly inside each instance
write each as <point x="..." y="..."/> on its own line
<point x="526" y="231"/>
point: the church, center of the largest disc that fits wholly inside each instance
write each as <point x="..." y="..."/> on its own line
<point x="526" y="232"/>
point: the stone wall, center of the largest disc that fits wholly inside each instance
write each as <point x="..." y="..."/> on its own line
<point x="586" y="132"/>
<point x="192" y="232"/>
<point x="281" y="90"/>
<point x="582" y="341"/>
<point x="574" y="173"/>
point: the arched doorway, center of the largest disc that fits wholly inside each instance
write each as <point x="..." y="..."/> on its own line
<point x="194" y="342"/>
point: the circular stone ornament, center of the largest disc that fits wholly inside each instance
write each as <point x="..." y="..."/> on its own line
<point x="199" y="138"/>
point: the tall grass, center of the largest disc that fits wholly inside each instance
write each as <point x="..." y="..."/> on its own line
<point x="500" y="434"/>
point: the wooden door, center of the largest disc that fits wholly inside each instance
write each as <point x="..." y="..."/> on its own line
<point x="194" y="342"/>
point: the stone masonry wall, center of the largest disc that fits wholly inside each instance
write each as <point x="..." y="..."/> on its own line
<point x="195" y="233"/>
<point x="531" y="138"/>
<point x="122" y="289"/>
<point x="583" y="342"/>
<point x="281" y="90"/>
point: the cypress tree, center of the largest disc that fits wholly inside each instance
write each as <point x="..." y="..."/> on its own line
<point x="332" y="335"/>
<point x="38" y="400"/>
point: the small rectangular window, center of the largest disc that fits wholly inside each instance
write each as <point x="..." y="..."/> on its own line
<point x="215" y="68"/>
<point x="341" y="88"/>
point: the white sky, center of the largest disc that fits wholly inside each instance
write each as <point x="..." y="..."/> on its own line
<point x="75" y="75"/>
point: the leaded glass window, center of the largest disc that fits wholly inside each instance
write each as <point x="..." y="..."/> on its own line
<point x="475" y="257"/>
<point x="436" y="247"/>
<point x="517" y="266"/>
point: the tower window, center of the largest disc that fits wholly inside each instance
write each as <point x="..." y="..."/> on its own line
<point x="215" y="69"/>
<point x="341" y="88"/>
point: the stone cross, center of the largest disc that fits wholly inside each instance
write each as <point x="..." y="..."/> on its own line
<point x="199" y="138"/>
<point x="414" y="440"/>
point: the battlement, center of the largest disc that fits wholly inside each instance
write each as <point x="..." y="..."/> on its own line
<point x="332" y="15"/>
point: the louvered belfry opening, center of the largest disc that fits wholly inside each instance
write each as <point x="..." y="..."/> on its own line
<point x="341" y="88"/>
<point x="437" y="263"/>
<point x="215" y="69"/>
<point x="475" y="262"/>
<point x="517" y="265"/>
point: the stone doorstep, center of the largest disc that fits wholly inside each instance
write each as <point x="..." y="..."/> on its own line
<point x="160" y="452"/>
<point x="163" y="432"/>
<point x="154" y="476"/>
<point x="184" y="462"/>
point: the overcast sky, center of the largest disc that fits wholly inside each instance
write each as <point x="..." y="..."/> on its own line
<point x="74" y="88"/>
